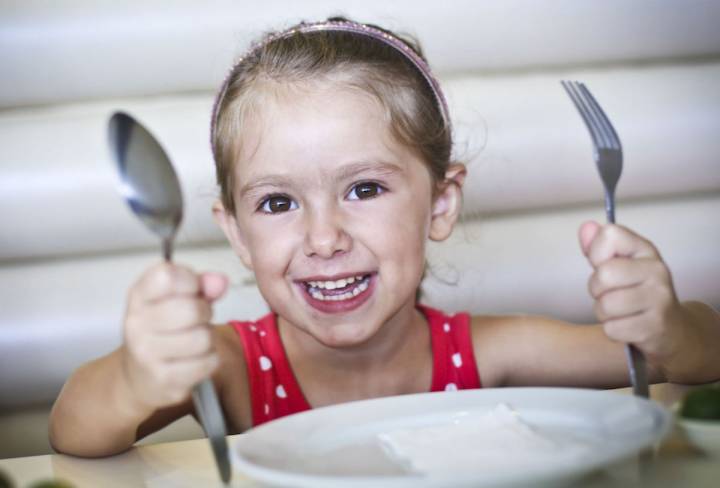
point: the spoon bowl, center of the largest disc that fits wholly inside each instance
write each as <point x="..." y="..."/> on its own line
<point x="148" y="181"/>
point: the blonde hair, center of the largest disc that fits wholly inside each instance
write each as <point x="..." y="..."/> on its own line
<point x="414" y="106"/>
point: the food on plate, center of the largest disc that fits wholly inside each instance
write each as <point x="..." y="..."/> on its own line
<point x="498" y="439"/>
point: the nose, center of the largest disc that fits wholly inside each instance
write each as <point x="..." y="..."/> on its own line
<point x="325" y="234"/>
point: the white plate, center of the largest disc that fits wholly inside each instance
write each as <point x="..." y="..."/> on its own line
<point x="338" y="446"/>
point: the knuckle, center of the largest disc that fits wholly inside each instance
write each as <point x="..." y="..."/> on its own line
<point x="604" y="304"/>
<point x="204" y="340"/>
<point x="202" y="310"/>
<point x="194" y="310"/>
<point x="660" y="289"/>
<point x="653" y="249"/>
<point x="610" y="328"/>
<point x="596" y="286"/>
<point x="663" y="272"/>
<point x="605" y="272"/>
<point x="131" y="325"/>
<point x="196" y="341"/>
<point x="164" y="277"/>
<point x="599" y="310"/>
<point x="654" y="316"/>
<point x="613" y="232"/>
<point x="592" y="286"/>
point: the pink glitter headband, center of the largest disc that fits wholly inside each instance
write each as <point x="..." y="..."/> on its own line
<point x="344" y="26"/>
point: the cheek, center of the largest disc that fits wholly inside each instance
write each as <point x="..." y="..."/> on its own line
<point x="400" y="233"/>
<point x="269" y="243"/>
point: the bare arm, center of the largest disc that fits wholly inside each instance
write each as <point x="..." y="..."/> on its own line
<point x="537" y="351"/>
<point x="635" y="303"/>
<point x="169" y="346"/>
<point x="98" y="414"/>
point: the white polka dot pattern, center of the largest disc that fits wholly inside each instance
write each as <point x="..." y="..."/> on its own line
<point x="265" y="363"/>
<point x="280" y="391"/>
<point x="267" y="409"/>
<point x="457" y="360"/>
<point x="446" y="327"/>
<point x="451" y="387"/>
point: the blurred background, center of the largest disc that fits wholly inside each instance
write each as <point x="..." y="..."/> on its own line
<point x="69" y="248"/>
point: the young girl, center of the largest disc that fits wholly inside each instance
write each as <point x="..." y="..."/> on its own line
<point x="332" y="144"/>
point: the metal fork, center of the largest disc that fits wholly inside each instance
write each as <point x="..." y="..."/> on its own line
<point x="608" y="155"/>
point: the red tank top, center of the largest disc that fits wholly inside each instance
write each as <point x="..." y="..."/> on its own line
<point x="275" y="392"/>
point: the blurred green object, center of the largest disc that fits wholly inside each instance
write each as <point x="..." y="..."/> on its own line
<point x="702" y="403"/>
<point x="5" y="481"/>
<point x="51" y="484"/>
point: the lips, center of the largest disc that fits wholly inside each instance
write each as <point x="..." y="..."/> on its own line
<point x="338" y="294"/>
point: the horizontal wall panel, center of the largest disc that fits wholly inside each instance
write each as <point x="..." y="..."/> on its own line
<point x="525" y="145"/>
<point x="532" y="263"/>
<point x="94" y="50"/>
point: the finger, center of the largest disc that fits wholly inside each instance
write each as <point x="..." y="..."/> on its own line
<point x="177" y="378"/>
<point x="620" y="303"/>
<point x="175" y="314"/>
<point x="586" y="234"/>
<point x="190" y="371"/>
<point x="213" y="285"/>
<point x="163" y="280"/>
<point x="623" y="273"/>
<point x="617" y="241"/>
<point x="186" y="344"/>
<point x="628" y="330"/>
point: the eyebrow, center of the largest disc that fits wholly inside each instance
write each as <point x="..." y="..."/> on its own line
<point x="346" y="172"/>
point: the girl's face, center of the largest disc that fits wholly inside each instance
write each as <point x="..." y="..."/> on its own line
<point x="332" y="214"/>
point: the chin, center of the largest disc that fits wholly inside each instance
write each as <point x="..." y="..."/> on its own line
<point x="342" y="336"/>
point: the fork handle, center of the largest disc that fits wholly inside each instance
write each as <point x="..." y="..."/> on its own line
<point x="610" y="207"/>
<point x="638" y="371"/>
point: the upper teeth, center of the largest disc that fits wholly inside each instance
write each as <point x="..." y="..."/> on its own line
<point x="331" y="285"/>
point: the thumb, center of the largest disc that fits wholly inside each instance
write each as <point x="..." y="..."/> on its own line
<point x="588" y="231"/>
<point x="213" y="285"/>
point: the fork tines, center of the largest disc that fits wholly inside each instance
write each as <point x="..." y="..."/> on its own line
<point x="601" y="130"/>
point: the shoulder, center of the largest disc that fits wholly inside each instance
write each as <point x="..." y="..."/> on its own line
<point x="228" y="344"/>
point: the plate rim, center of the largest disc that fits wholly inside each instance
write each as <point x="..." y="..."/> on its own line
<point x="662" y="425"/>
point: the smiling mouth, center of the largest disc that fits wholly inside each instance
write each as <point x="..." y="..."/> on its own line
<point x="338" y="290"/>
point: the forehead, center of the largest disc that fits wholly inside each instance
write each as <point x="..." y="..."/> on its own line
<point x="306" y="128"/>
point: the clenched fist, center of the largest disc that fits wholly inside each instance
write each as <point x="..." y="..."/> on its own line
<point x="633" y="290"/>
<point x="168" y="345"/>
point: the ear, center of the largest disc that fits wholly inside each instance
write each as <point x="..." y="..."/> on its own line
<point x="228" y="223"/>
<point x="448" y="202"/>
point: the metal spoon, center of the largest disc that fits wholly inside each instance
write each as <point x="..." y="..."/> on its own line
<point x="152" y="190"/>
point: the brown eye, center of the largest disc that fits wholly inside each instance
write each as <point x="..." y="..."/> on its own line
<point x="277" y="204"/>
<point x="363" y="191"/>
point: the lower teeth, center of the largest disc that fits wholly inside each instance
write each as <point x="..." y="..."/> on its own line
<point x="361" y="287"/>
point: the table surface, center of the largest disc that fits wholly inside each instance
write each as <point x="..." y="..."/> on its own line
<point x="190" y="463"/>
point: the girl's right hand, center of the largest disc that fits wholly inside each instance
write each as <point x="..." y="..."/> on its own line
<point x="168" y="346"/>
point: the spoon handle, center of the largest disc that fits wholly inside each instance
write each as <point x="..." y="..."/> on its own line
<point x="167" y="246"/>
<point x="211" y="418"/>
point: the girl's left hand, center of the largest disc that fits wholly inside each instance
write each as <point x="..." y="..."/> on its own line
<point x="633" y="291"/>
